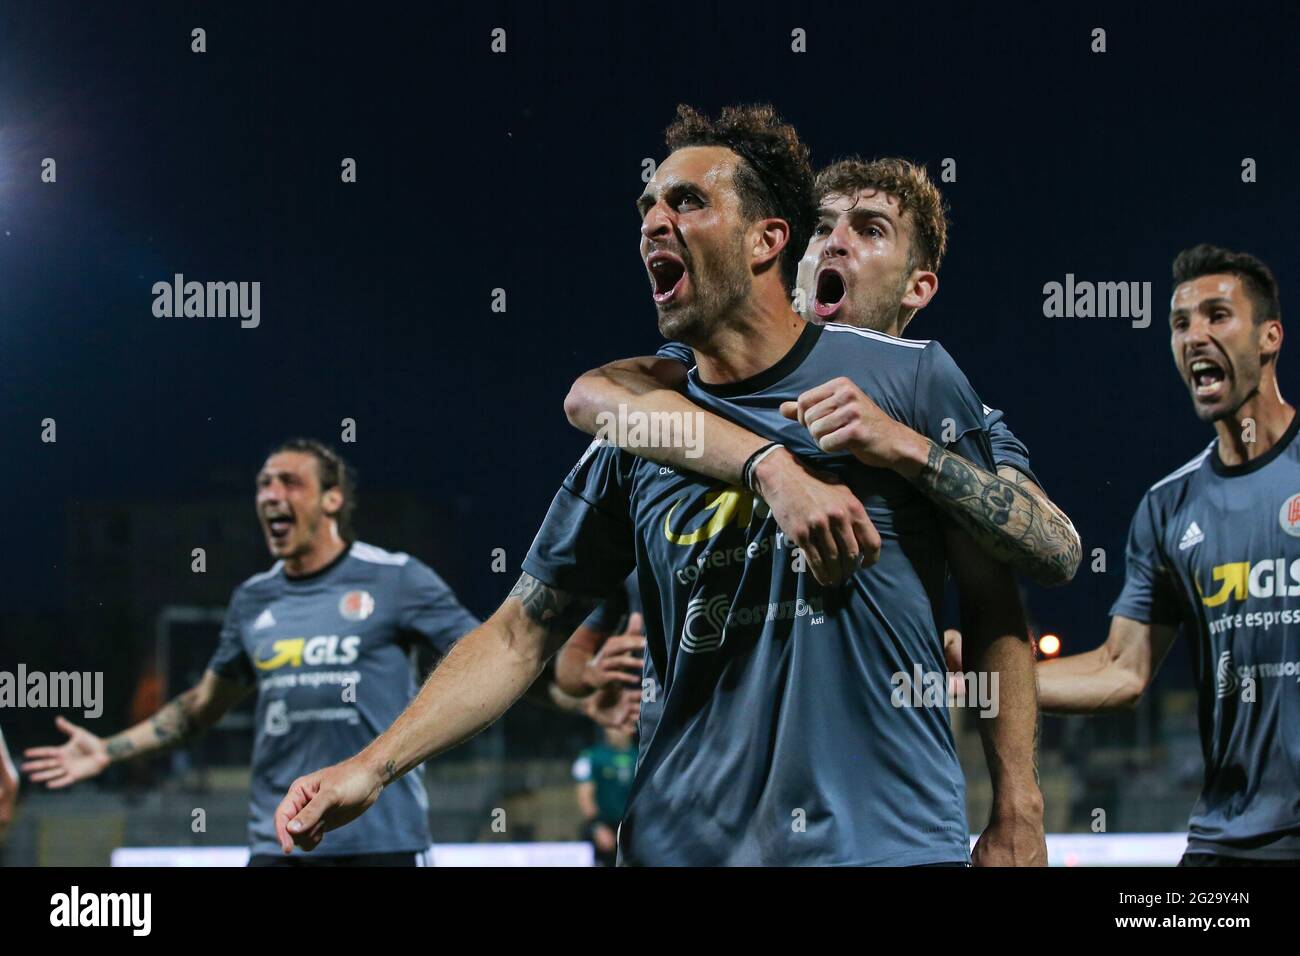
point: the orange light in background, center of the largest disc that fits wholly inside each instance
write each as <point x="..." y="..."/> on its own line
<point x="1049" y="645"/>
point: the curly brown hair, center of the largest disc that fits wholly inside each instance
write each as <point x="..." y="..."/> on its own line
<point x="918" y="197"/>
<point x="774" y="178"/>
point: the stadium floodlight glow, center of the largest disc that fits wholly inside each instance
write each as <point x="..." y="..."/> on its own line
<point x="1049" y="645"/>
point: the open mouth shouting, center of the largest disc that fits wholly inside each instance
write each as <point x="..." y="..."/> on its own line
<point x="828" y="295"/>
<point x="667" y="276"/>
<point x="278" y="524"/>
<point x="1209" y="379"/>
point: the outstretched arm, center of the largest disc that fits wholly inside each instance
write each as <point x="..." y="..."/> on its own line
<point x="1007" y="521"/>
<point x="85" y="755"/>
<point x="486" y="672"/>
<point x="822" y="518"/>
<point x="1111" y="677"/>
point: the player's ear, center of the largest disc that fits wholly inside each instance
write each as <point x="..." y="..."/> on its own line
<point x="1270" y="340"/>
<point x="770" y="237"/>
<point x="921" y="288"/>
<point x="332" y="502"/>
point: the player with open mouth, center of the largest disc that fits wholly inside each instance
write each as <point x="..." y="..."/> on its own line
<point x="1214" y="550"/>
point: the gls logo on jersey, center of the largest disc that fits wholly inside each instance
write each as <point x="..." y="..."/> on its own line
<point x="296" y="651"/>
<point x="1264" y="579"/>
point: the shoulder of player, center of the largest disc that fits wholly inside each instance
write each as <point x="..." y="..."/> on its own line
<point x="839" y="336"/>
<point x="879" y="363"/>
<point x="1167" y="496"/>
<point x="1177" y="480"/>
<point x="888" y="353"/>
<point x="400" y="569"/>
<point x="263" y="580"/>
<point x="369" y="554"/>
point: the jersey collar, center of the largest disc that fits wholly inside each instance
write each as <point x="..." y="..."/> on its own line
<point x="1255" y="464"/>
<point x="319" y="572"/>
<point x="769" y="376"/>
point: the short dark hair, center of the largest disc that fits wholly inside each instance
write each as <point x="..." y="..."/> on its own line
<point x="774" y="177"/>
<point x="1207" y="260"/>
<point x="907" y="182"/>
<point x="333" y="472"/>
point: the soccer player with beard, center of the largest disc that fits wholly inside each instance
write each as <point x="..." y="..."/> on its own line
<point x="774" y="731"/>
<point x="1214" y="548"/>
<point x="325" y="638"/>
<point x="872" y="263"/>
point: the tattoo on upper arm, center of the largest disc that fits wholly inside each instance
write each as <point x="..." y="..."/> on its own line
<point x="557" y="611"/>
<point x="1003" y="517"/>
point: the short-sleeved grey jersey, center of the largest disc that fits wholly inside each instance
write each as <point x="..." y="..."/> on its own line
<point x="330" y="655"/>
<point x="1216" y="549"/>
<point x="770" y="732"/>
<point x="1007" y="448"/>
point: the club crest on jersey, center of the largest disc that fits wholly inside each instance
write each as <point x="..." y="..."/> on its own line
<point x="357" y="605"/>
<point x="1289" y="516"/>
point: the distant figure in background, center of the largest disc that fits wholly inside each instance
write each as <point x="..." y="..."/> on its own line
<point x="325" y="638"/>
<point x="604" y="775"/>
<point x="8" y="789"/>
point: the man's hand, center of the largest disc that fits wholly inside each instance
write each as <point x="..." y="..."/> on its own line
<point x="83" y="756"/>
<point x="615" y="708"/>
<point x="1014" y="836"/>
<point x="618" y="662"/>
<point x="324" y="801"/>
<point x="820" y="515"/>
<point x="602" y="834"/>
<point x="841" y="418"/>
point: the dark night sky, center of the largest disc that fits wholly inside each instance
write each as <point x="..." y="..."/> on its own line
<point x="519" y="171"/>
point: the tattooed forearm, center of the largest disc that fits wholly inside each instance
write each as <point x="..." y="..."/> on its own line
<point x="1003" y="518"/>
<point x="389" y="773"/>
<point x="119" y="747"/>
<point x="174" y="724"/>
